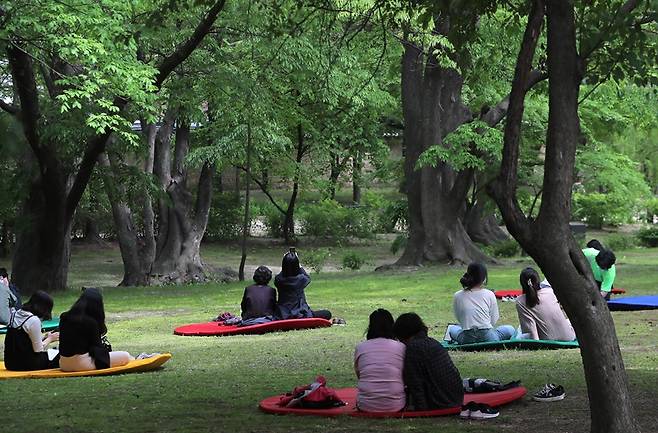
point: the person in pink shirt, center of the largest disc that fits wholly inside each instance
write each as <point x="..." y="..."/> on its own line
<point x="378" y="363"/>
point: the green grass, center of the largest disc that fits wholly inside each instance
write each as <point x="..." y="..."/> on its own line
<point x="213" y="384"/>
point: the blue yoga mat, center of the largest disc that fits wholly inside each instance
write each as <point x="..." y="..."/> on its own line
<point x="632" y="303"/>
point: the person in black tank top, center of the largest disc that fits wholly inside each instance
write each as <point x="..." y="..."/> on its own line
<point x="25" y="350"/>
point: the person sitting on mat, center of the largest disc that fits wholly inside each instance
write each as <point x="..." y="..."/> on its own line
<point x="26" y="349"/>
<point x="431" y="378"/>
<point x="9" y="297"/>
<point x="540" y="315"/>
<point x="82" y="329"/>
<point x="378" y="363"/>
<point x="259" y="300"/>
<point x="476" y="310"/>
<point x="290" y="283"/>
<point x="602" y="263"/>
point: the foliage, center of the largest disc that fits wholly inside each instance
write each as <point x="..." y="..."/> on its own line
<point x="399" y="243"/>
<point x="649" y="236"/>
<point x="652" y="208"/>
<point x="328" y="218"/>
<point x="316" y="259"/>
<point x="612" y="189"/>
<point x="273" y="220"/>
<point x="620" y="241"/>
<point x="506" y="248"/>
<point x="225" y="218"/>
<point x="394" y="214"/>
<point x="353" y="260"/>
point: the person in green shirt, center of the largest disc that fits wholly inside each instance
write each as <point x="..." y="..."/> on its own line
<point x="603" y="267"/>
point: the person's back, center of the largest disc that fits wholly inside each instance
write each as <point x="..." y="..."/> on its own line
<point x="431" y="378"/>
<point x="602" y="264"/>
<point x="259" y="300"/>
<point x="378" y="364"/>
<point x="291" y="303"/>
<point x="476" y="308"/>
<point x="546" y="320"/>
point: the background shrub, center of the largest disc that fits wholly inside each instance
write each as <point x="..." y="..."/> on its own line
<point x="225" y="217"/>
<point x="273" y="220"/>
<point x="329" y="218"/>
<point x="316" y="259"/>
<point x="353" y="260"/>
<point x="399" y="243"/>
<point x="394" y="214"/>
<point x="649" y="236"/>
<point x="619" y="241"/>
<point x="508" y="248"/>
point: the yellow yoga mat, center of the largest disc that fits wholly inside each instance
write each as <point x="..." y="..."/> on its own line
<point x="136" y="366"/>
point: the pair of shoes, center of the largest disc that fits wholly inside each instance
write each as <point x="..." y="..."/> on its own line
<point x="145" y="355"/>
<point x="478" y="411"/>
<point x="338" y="321"/>
<point x="550" y="392"/>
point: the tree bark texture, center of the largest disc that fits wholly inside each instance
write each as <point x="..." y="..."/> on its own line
<point x="481" y="226"/>
<point x="548" y="238"/>
<point x="432" y="108"/>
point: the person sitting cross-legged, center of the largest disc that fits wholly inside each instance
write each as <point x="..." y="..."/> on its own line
<point x="259" y="300"/>
<point x="476" y="310"/>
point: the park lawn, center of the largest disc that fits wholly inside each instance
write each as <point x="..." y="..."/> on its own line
<point x="214" y="384"/>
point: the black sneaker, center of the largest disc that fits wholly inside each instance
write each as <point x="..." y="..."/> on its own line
<point x="478" y="411"/>
<point x="550" y="392"/>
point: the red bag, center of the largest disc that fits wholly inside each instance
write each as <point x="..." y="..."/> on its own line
<point x="313" y="396"/>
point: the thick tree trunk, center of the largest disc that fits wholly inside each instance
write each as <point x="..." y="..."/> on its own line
<point x="41" y="256"/>
<point x="548" y="239"/>
<point x="481" y="226"/>
<point x="91" y="232"/>
<point x="178" y="259"/>
<point x="432" y="108"/>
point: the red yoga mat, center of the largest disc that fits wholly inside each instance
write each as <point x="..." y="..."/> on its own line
<point x="514" y="293"/>
<point x="348" y="395"/>
<point x="218" y="329"/>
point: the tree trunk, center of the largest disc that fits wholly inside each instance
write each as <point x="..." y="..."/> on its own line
<point x="91" y="232"/>
<point x="289" y="220"/>
<point x="135" y="268"/>
<point x="357" y="165"/>
<point x="247" y="219"/>
<point x="5" y="241"/>
<point x="178" y="258"/>
<point x="334" y="174"/>
<point x="43" y="245"/>
<point x="548" y="239"/>
<point x="481" y="226"/>
<point x="432" y="108"/>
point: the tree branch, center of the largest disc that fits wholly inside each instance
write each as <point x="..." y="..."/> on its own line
<point x="9" y="108"/>
<point x="264" y="189"/>
<point x="503" y="189"/>
<point x="184" y="50"/>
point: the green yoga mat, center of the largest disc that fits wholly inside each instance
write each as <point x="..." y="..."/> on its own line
<point x="521" y="344"/>
<point x="47" y="325"/>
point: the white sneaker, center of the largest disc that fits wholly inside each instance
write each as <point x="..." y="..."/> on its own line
<point x="145" y="355"/>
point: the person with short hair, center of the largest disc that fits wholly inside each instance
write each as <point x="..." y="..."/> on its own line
<point x="540" y="314"/>
<point x="431" y="378"/>
<point x="290" y="284"/>
<point x="82" y="332"/>
<point x="259" y="300"/>
<point x="378" y="364"/>
<point x="602" y="263"/>
<point x="476" y="309"/>
<point x="594" y="243"/>
<point x="26" y="349"/>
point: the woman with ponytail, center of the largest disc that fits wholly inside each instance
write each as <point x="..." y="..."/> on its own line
<point x="476" y="310"/>
<point x="539" y="311"/>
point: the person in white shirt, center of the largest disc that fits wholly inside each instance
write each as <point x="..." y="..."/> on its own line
<point x="476" y="310"/>
<point x="540" y="314"/>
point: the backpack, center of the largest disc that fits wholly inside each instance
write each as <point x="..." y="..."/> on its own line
<point x="313" y="396"/>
